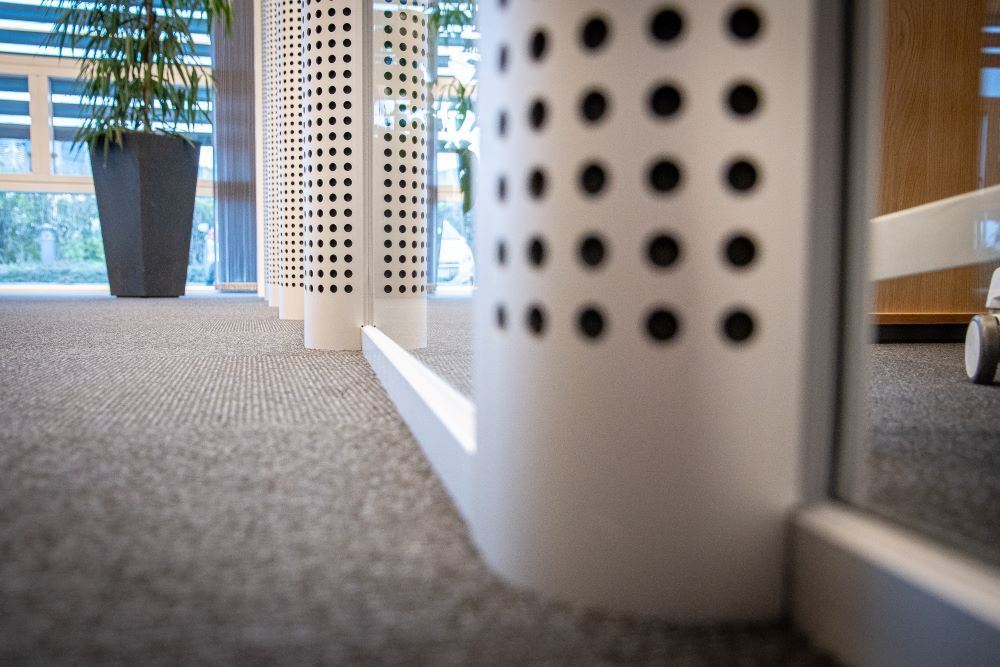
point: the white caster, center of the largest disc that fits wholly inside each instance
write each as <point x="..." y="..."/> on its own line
<point x="982" y="348"/>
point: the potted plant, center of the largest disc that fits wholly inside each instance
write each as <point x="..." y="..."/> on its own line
<point x="141" y="85"/>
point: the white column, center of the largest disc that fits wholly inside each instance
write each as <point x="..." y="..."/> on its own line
<point x="640" y="316"/>
<point x="261" y="223"/>
<point x="335" y="206"/>
<point x="290" y="298"/>
<point x="283" y="154"/>
<point x="270" y="149"/>
<point x="365" y="170"/>
<point x="399" y="171"/>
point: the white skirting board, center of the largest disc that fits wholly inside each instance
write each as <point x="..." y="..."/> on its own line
<point x="877" y="594"/>
<point x="442" y="420"/>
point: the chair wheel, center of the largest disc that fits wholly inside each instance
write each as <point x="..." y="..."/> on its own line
<point x="982" y="348"/>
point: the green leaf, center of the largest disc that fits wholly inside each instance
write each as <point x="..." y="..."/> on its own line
<point x="137" y="70"/>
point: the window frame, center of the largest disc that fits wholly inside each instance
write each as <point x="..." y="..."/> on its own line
<point x="39" y="69"/>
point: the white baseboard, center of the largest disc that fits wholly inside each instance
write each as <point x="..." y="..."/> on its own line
<point x="441" y="419"/>
<point x="876" y="594"/>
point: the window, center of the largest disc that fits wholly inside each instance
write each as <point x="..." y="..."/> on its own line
<point x="15" y="125"/>
<point x="49" y="228"/>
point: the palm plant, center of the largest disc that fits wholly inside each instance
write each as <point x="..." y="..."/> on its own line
<point x="138" y="63"/>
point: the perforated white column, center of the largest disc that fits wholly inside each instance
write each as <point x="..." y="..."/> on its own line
<point x="639" y="323"/>
<point x="335" y="206"/>
<point x="271" y="120"/>
<point x="291" y="200"/>
<point x="399" y="171"/>
<point x="360" y="191"/>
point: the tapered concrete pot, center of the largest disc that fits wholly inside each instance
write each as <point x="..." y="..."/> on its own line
<point x="145" y="197"/>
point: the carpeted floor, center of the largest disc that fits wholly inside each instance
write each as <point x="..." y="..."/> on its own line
<point x="449" y="341"/>
<point x="183" y="483"/>
<point x="934" y="460"/>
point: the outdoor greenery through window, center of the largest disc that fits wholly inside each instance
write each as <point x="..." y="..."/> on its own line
<point x="56" y="238"/>
<point x="49" y="227"/>
<point x="456" y="146"/>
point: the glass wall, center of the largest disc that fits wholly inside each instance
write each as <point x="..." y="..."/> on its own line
<point x="931" y="458"/>
<point x="456" y="146"/>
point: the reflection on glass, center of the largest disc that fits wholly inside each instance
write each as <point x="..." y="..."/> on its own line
<point x="15" y="125"/>
<point x="456" y="147"/>
<point x="56" y="238"/>
<point x="451" y="260"/>
<point x="69" y="113"/>
<point x="932" y="461"/>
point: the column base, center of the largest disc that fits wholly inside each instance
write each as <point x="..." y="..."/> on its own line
<point x="404" y="320"/>
<point x="333" y="322"/>
<point x="290" y="303"/>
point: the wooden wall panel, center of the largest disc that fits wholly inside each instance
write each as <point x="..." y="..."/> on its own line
<point x="235" y="206"/>
<point x="931" y="141"/>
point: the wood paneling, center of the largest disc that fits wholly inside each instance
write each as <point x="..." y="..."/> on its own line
<point x="932" y="123"/>
<point x="235" y="206"/>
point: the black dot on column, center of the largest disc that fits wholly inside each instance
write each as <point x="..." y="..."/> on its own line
<point x="666" y="25"/>
<point x="536" y="183"/>
<point x="592" y="251"/>
<point x="538" y="45"/>
<point x="742" y="176"/>
<point x="536" y="115"/>
<point x="594" y="106"/>
<point x="744" y="23"/>
<point x="743" y="99"/>
<point x="738" y="326"/>
<point x="663" y="251"/>
<point x="595" y="33"/>
<point x="591" y="322"/>
<point x="536" y="252"/>
<point x="665" y="100"/>
<point x="740" y="251"/>
<point x="593" y="178"/>
<point x="664" y="176"/>
<point x="536" y="320"/>
<point x="662" y="325"/>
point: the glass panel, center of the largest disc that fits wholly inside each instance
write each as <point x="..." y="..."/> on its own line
<point x="69" y="113"/>
<point x="15" y="125"/>
<point x="56" y="238"/>
<point x="456" y="149"/>
<point x="451" y="238"/>
<point x="932" y="459"/>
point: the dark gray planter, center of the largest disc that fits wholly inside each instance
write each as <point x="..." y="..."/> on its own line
<point x="145" y="198"/>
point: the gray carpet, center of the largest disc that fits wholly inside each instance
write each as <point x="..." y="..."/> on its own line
<point x="449" y="341"/>
<point x="934" y="458"/>
<point x="183" y="483"/>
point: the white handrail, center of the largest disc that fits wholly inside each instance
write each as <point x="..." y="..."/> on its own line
<point x="944" y="234"/>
